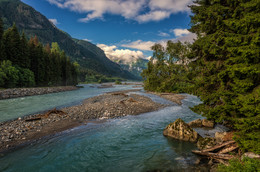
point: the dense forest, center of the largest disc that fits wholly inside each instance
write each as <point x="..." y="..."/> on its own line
<point x="222" y="66"/>
<point x="26" y="63"/>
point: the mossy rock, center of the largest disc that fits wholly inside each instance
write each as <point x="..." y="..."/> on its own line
<point x="181" y="131"/>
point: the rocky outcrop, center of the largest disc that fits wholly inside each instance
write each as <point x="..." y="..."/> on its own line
<point x="22" y="92"/>
<point x="181" y="131"/>
<point x="201" y="123"/>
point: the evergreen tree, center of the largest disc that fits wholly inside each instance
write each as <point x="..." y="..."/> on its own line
<point x="2" y="49"/>
<point x="1" y="29"/>
<point x="228" y="65"/>
<point x="12" y="44"/>
<point x="24" y="47"/>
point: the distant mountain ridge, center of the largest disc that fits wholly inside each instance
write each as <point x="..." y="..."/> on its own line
<point x="135" y="66"/>
<point x="88" y="55"/>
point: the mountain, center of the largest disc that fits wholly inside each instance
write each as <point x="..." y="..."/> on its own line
<point x="135" y="67"/>
<point x="88" y="55"/>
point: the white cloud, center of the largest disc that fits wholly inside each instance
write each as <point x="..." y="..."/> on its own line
<point x="140" y="45"/>
<point x="173" y="6"/>
<point x="180" y="32"/>
<point x="87" y="40"/>
<point x="187" y="38"/>
<point x="163" y="34"/>
<point x="125" y="56"/>
<point x="146" y="45"/>
<point x="139" y="10"/>
<point x="54" y="21"/>
<point x="153" y="16"/>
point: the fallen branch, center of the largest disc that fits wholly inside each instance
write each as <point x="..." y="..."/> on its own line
<point x="55" y="111"/>
<point x="218" y="146"/>
<point x="229" y="149"/>
<point x="33" y="119"/>
<point x="214" y="155"/>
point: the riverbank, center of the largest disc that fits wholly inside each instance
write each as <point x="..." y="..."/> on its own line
<point x="110" y="105"/>
<point x="22" y="92"/>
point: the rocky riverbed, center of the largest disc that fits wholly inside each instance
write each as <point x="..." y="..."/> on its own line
<point x="21" y="92"/>
<point x="110" y="105"/>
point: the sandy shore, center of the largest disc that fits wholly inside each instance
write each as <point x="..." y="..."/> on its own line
<point x="106" y="106"/>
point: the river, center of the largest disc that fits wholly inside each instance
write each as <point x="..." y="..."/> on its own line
<point x="131" y="143"/>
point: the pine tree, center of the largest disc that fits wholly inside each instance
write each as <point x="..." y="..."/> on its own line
<point x="2" y="49"/>
<point x="24" y="48"/>
<point x="12" y="44"/>
<point x="228" y="65"/>
<point x="1" y="29"/>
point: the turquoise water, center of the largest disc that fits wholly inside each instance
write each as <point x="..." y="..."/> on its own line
<point x="17" y="107"/>
<point x="131" y="143"/>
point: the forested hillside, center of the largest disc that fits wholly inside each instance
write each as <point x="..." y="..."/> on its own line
<point x="26" y="63"/>
<point x="89" y="56"/>
<point x="222" y="66"/>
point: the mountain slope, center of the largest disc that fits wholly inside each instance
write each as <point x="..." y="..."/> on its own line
<point x="34" y="23"/>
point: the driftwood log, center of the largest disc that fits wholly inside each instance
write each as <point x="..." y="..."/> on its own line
<point x="218" y="146"/>
<point x="219" y="152"/>
<point x="55" y="111"/>
<point x="214" y="155"/>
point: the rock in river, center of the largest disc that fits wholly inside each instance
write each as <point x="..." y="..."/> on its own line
<point x="181" y="131"/>
<point x="208" y="123"/>
<point x="195" y="123"/>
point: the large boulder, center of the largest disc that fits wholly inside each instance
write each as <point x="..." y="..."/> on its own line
<point x="181" y="131"/>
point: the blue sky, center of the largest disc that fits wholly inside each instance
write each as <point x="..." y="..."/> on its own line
<point x="120" y="27"/>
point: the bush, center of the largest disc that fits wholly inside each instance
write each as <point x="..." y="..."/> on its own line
<point x="246" y="165"/>
<point x="10" y="74"/>
<point x="118" y="82"/>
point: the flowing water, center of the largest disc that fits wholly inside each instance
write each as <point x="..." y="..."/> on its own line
<point x="17" y="107"/>
<point x="131" y="143"/>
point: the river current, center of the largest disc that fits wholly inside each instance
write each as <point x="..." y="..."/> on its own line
<point x="131" y="143"/>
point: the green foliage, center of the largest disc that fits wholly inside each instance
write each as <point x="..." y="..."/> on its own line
<point x="228" y="67"/>
<point x="26" y="78"/>
<point x="224" y="70"/>
<point x="2" y="54"/>
<point x="246" y="165"/>
<point x="118" y="82"/>
<point x="163" y="74"/>
<point x="93" y="77"/>
<point x="9" y="73"/>
<point x="33" y="64"/>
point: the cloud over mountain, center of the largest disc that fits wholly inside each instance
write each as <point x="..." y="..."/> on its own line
<point x="54" y="21"/>
<point x="125" y="56"/>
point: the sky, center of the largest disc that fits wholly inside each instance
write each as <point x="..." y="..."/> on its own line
<point x="122" y="28"/>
